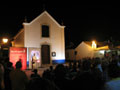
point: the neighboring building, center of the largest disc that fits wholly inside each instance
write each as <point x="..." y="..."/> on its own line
<point x="87" y="49"/>
<point x="46" y="34"/>
<point x="84" y="50"/>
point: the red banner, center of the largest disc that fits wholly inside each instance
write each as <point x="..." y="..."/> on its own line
<point x="18" y="54"/>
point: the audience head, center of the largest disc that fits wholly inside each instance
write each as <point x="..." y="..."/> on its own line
<point x="35" y="71"/>
<point x="18" y="65"/>
<point x="9" y="64"/>
<point x="60" y="70"/>
<point x="51" y="68"/>
<point x="86" y="65"/>
<point x="40" y="84"/>
<point x="113" y="69"/>
<point x="97" y="61"/>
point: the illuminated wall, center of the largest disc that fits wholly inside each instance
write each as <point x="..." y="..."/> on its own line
<point x="33" y="37"/>
<point x="31" y="52"/>
<point x="84" y="50"/>
<point x="30" y="37"/>
<point x="18" y="54"/>
<point x="19" y="39"/>
<point x="99" y="53"/>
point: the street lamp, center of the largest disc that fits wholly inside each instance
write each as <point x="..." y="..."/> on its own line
<point x="3" y="47"/>
<point x="94" y="46"/>
<point x="5" y="40"/>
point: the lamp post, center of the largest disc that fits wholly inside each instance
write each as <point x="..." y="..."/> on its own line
<point x="5" y="40"/>
<point x="3" y="46"/>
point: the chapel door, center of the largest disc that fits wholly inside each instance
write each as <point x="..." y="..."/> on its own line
<point x="45" y="53"/>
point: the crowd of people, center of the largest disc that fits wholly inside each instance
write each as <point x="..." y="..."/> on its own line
<point x="85" y="74"/>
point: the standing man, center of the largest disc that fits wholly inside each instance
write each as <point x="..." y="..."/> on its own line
<point x="18" y="78"/>
<point x="34" y="60"/>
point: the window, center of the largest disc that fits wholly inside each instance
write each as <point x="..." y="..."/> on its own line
<point x="45" y="31"/>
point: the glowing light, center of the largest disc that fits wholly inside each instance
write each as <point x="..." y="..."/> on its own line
<point x="38" y="61"/>
<point x="5" y="40"/>
<point x="94" y="45"/>
<point x="102" y="51"/>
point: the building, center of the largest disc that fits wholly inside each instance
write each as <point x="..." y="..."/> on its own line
<point x="87" y="49"/>
<point x="44" y="34"/>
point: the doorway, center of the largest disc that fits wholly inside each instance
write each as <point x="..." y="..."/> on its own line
<point x="45" y="54"/>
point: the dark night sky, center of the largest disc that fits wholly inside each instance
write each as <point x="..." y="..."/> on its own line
<point x="82" y="21"/>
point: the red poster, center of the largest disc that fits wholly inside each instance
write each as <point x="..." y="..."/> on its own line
<point x="18" y="54"/>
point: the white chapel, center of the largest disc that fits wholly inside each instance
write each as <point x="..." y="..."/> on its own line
<point x="45" y="34"/>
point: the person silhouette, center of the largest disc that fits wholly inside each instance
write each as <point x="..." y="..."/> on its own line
<point x="34" y="59"/>
<point x="18" y="78"/>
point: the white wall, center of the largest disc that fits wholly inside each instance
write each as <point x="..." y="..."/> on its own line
<point x="83" y="51"/>
<point x="32" y="35"/>
<point x="19" y="40"/>
<point x="56" y="41"/>
<point x="99" y="53"/>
